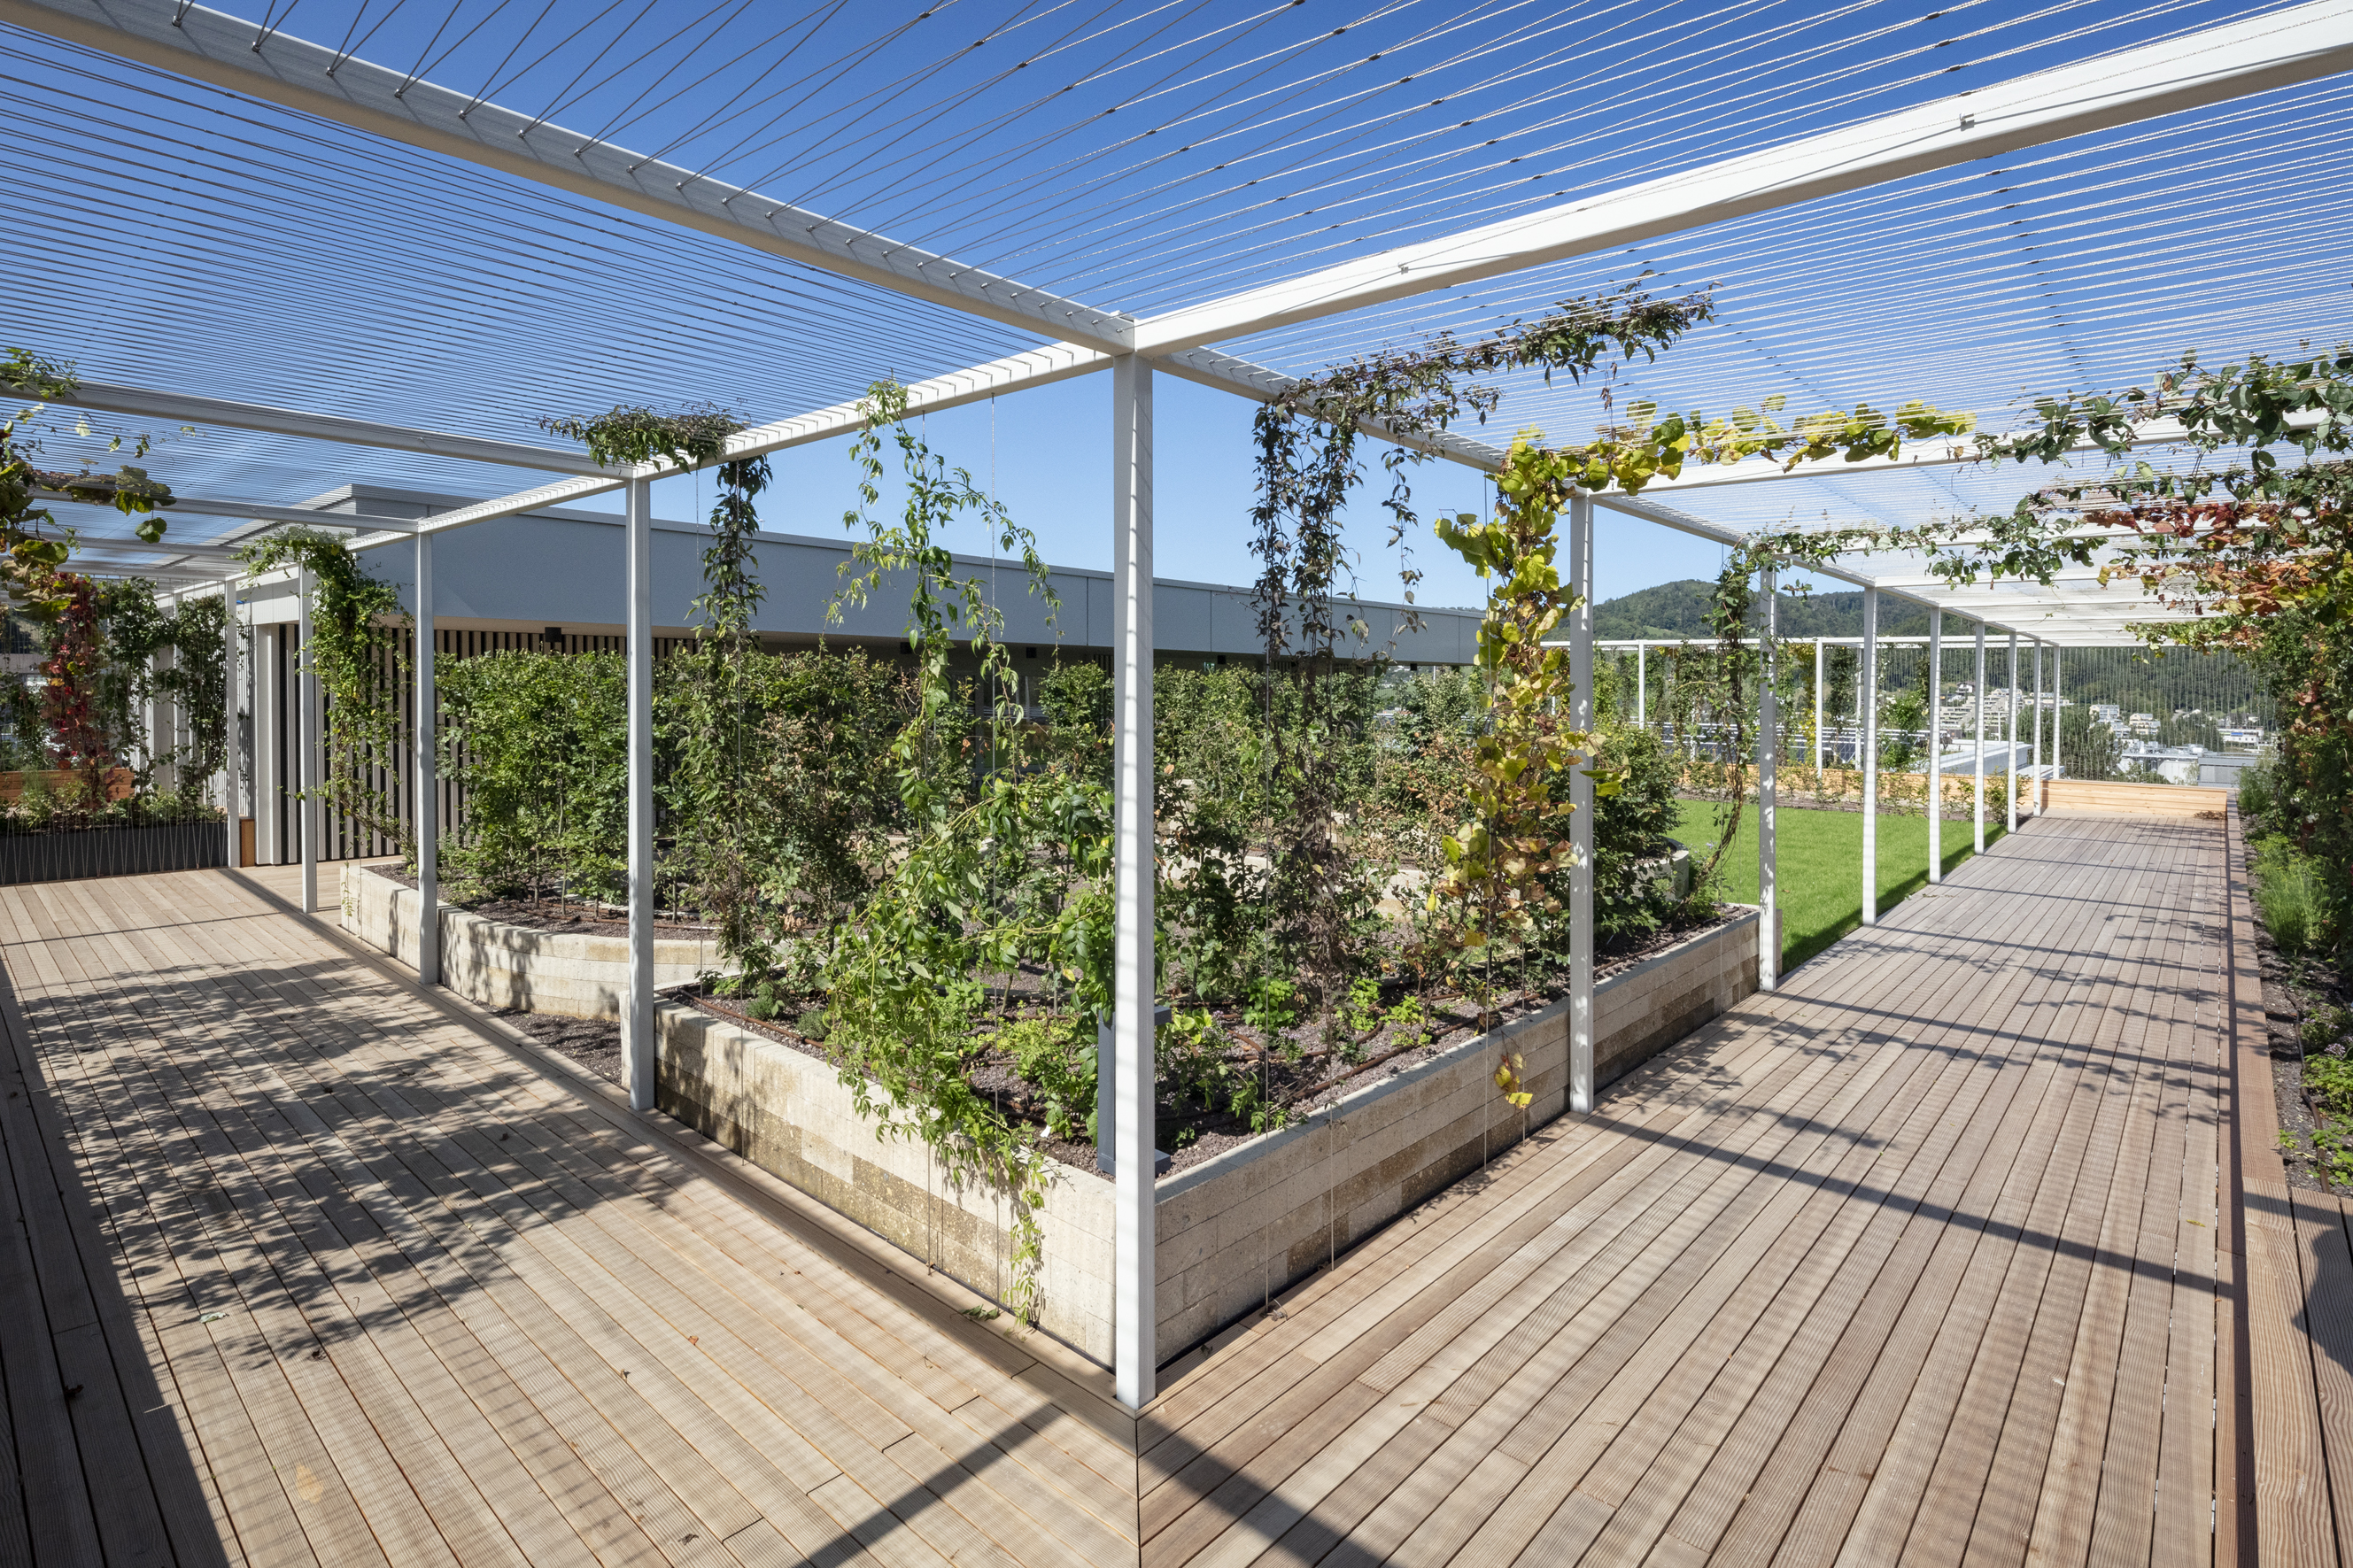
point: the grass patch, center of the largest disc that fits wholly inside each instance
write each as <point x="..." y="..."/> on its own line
<point x="1820" y="861"/>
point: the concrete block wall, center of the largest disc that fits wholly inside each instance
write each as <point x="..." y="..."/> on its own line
<point x="1232" y="1230"/>
<point x="575" y="974"/>
<point x="1237" y="1228"/>
<point x="790" y="1114"/>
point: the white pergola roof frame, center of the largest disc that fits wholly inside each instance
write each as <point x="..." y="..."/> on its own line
<point x="2298" y="44"/>
<point x="2294" y="44"/>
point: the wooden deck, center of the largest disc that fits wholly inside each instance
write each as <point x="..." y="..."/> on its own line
<point x="310" y="1268"/>
<point x="1913" y="1261"/>
<point x="1932" y="1256"/>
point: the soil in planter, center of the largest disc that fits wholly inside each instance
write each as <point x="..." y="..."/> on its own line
<point x="573" y="915"/>
<point x="593" y="1043"/>
<point x="1297" y="1073"/>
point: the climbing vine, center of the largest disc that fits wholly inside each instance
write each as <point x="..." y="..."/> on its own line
<point x="29" y="572"/>
<point x="1308" y="462"/>
<point x="355" y="652"/>
<point x="1020" y="870"/>
<point x="1513" y="838"/>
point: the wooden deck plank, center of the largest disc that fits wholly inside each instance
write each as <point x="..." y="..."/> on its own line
<point x="293" y="1137"/>
<point x="1624" y="1435"/>
<point x="1759" y="1469"/>
<point x="1928" y="1485"/>
<point x="2293" y="1521"/>
<point x="1464" y="1396"/>
<point x="1698" y="1410"/>
<point x="662" y="1338"/>
<point x="447" y="1452"/>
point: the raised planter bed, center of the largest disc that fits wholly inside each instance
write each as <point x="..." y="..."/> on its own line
<point x="1233" y="1229"/>
<point x="69" y="854"/>
<point x="580" y="974"/>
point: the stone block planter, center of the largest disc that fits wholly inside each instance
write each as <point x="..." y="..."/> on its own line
<point x="1233" y="1229"/>
<point x="575" y="973"/>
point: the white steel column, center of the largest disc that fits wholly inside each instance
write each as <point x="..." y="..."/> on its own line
<point x="1580" y="819"/>
<point x="306" y="686"/>
<point x="2039" y="790"/>
<point x="2009" y="767"/>
<point x="1768" y="724"/>
<point x="1818" y="719"/>
<point x="2058" y="707"/>
<point x="1976" y="807"/>
<point x="637" y="1025"/>
<point x="1134" y="1316"/>
<point x="1641" y="687"/>
<point x="1866" y="689"/>
<point x="228" y="722"/>
<point x="1936" y="746"/>
<point x="425" y="804"/>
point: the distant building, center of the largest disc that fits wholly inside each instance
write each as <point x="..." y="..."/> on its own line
<point x="2174" y="764"/>
<point x="2250" y="739"/>
<point x="2144" y="725"/>
<point x="2108" y="713"/>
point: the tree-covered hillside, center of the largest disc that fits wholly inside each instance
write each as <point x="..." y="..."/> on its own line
<point x="1680" y="610"/>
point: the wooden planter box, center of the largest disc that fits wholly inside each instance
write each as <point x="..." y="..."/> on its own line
<point x="65" y="855"/>
<point x="1231" y="1230"/>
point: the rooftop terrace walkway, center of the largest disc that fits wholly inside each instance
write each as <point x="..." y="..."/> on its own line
<point x="1912" y="1261"/>
<point x="1918" y="1260"/>
<point x="330" y="1275"/>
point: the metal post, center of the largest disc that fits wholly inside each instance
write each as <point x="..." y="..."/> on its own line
<point x="1580" y="820"/>
<point x="1976" y="807"/>
<point x="306" y="686"/>
<point x="1768" y="724"/>
<point x="1818" y="719"/>
<point x="2009" y="768"/>
<point x="1936" y="746"/>
<point x="425" y="806"/>
<point x="2038" y="727"/>
<point x="638" y="1043"/>
<point x="1135" y="1328"/>
<point x="2058" y="706"/>
<point x="1867" y="698"/>
<point x="1641" y="687"/>
<point x="229" y="736"/>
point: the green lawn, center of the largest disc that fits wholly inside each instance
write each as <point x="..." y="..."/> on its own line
<point x="1821" y="860"/>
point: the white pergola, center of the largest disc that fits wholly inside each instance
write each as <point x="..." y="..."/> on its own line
<point x="2276" y="49"/>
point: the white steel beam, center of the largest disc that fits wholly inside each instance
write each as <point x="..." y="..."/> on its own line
<point x="638" y="1040"/>
<point x="269" y="63"/>
<point x="1582" y="1086"/>
<point x="1135" y="1329"/>
<point x="1976" y="697"/>
<point x="1866" y="692"/>
<point x="309" y="739"/>
<point x="1769" y="723"/>
<point x="2009" y="731"/>
<point x="2281" y="47"/>
<point x="180" y="408"/>
<point x="1935" y="747"/>
<point x="1035" y="367"/>
<point x="254" y="512"/>
<point x="1937" y="452"/>
<point x="425" y="803"/>
<point x="230" y="687"/>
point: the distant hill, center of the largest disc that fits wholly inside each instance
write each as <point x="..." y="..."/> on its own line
<point x="1680" y="610"/>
